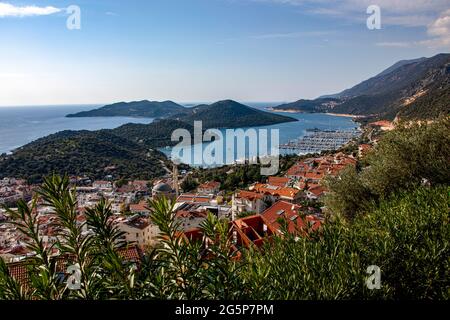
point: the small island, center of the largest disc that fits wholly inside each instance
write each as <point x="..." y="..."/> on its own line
<point x="140" y="109"/>
<point x="221" y="114"/>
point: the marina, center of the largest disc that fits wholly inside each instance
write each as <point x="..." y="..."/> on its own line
<point x="317" y="141"/>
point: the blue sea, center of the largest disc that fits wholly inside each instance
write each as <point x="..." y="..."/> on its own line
<point x="287" y="132"/>
<point x="21" y="125"/>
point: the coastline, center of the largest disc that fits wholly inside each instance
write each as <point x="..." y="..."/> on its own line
<point x="285" y="110"/>
<point x="345" y="115"/>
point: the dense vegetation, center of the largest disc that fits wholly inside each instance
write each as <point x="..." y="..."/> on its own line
<point x="231" y="114"/>
<point x="407" y="236"/>
<point x="392" y="211"/>
<point x="155" y="135"/>
<point x="95" y="154"/>
<point x="405" y="158"/>
<point x="222" y="114"/>
<point x="230" y="177"/>
<point x="317" y="105"/>
<point x="145" y="108"/>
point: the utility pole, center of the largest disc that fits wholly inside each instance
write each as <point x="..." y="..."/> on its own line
<point x="175" y="180"/>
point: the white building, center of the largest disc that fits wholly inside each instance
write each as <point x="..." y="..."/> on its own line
<point x="139" y="231"/>
<point x="248" y="201"/>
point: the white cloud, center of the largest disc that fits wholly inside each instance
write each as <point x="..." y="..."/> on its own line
<point x="440" y="31"/>
<point x="432" y="15"/>
<point x="9" y="10"/>
<point x="409" y="13"/>
<point x="440" y="27"/>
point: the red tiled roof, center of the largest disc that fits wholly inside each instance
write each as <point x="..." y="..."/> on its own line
<point x="317" y="190"/>
<point x="187" y="214"/>
<point x="210" y="185"/>
<point x="290" y="212"/>
<point x="19" y="270"/>
<point x="278" y="181"/>
<point x="130" y="254"/>
<point x="251" y="230"/>
<point x="315" y="175"/>
<point x="140" y="207"/>
<point x="194" y="198"/>
<point x="276" y="191"/>
<point x="298" y="169"/>
<point x="249" y="195"/>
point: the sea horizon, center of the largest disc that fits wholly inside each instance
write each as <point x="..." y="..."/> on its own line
<point x="22" y="125"/>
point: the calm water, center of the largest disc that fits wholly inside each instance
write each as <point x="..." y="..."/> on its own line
<point x="21" y="125"/>
<point x="287" y="131"/>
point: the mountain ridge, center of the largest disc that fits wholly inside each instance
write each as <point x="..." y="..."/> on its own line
<point x="411" y="89"/>
<point x="230" y="114"/>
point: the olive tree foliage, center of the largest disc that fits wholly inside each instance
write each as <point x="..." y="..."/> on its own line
<point x="409" y="156"/>
<point x="406" y="236"/>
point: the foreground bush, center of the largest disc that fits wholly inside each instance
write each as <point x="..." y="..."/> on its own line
<point x="404" y="158"/>
<point x="407" y="236"/>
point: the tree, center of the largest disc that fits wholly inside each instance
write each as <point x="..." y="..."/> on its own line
<point x="405" y="158"/>
<point x="189" y="184"/>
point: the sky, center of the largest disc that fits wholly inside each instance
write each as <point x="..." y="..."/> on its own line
<point x="206" y="50"/>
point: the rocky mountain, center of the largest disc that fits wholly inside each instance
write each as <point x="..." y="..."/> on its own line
<point x="412" y="89"/>
<point x="399" y="64"/>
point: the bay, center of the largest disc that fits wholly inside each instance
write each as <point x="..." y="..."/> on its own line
<point x="196" y="156"/>
<point x="22" y="125"/>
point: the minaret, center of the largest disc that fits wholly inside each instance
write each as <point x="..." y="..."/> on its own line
<point x="175" y="180"/>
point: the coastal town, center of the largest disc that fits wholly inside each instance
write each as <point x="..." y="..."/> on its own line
<point x="254" y="213"/>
